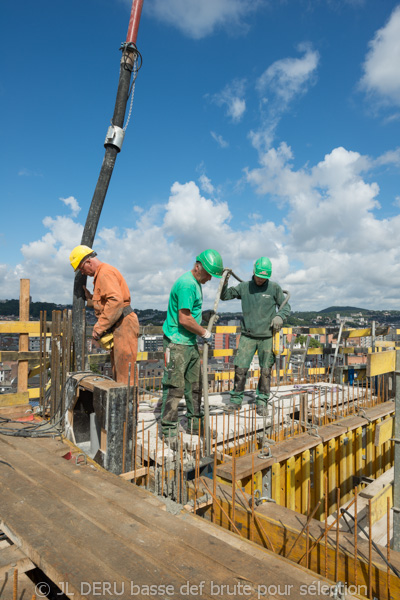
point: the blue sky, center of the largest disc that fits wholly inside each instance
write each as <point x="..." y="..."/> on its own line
<point x="262" y="127"/>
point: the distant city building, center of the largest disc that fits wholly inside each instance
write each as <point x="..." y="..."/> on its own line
<point x="150" y="343"/>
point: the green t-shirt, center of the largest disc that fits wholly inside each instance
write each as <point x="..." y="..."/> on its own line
<point x="185" y="293"/>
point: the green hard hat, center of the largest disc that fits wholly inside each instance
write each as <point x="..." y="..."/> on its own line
<point x="263" y="268"/>
<point x="211" y="261"/>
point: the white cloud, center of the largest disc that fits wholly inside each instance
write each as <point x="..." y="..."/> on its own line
<point x="28" y="173"/>
<point x="381" y="72"/>
<point x="289" y="77"/>
<point x="73" y="204"/>
<point x="232" y="97"/>
<point x="206" y="185"/>
<point x="281" y="83"/>
<point x="332" y="248"/>
<point x="333" y="230"/>
<point x="219" y="139"/>
<point x="199" y="18"/>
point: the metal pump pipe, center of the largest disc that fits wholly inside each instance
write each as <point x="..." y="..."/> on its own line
<point x="113" y="146"/>
<point x="224" y="279"/>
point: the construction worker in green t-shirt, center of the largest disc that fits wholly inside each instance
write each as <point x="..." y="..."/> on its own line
<point x="261" y="301"/>
<point x="182" y="372"/>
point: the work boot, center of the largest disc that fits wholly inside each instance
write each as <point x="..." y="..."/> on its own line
<point x="264" y="383"/>
<point x="193" y="430"/>
<point x="262" y="410"/>
<point x="232" y="407"/>
<point x="172" y="442"/>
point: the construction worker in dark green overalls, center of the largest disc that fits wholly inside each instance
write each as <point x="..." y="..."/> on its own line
<point x="261" y="299"/>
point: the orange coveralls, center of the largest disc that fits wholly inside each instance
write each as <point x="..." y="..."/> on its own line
<point x="110" y="296"/>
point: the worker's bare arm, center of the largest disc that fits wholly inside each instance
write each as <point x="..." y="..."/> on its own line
<point x="187" y="321"/>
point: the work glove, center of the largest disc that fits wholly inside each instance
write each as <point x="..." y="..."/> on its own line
<point x="277" y="323"/>
<point x="208" y="337"/>
<point x="206" y="315"/>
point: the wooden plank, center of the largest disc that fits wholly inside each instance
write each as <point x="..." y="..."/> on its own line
<point x="15" y="412"/>
<point x="384" y="431"/>
<point x="14" y="356"/>
<point x="381" y="362"/>
<point x="133" y="474"/>
<point x="106" y="542"/>
<point x="12" y="558"/>
<point x="20" y="327"/>
<point x="374" y="488"/>
<point x="14" y="399"/>
<point x="226" y="562"/>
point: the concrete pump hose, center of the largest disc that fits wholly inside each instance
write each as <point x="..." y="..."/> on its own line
<point x="224" y="279"/>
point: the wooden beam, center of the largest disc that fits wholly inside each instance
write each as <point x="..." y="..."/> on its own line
<point x="13" y="558"/>
<point x="14" y="356"/>
<point x="134" y="474"/>
<point x="20" y="327"/>
<point x="380" y="363"/>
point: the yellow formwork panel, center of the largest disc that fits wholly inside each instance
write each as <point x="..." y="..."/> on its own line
<point x="276" y="482"/>
<point x="380" y="363"/>
<point x="378" y="453"/>
<point x="142" y="356"/>
<point x="14" y="399"/>
<point x="315" y="351"/>
<point x="223" y="352"/>
<point x="227" y="329"/>
<point x="224" y="375"/>
<point x="317" y="330"/>
<point x="317" y="371"/>
<point x="355" y="333"/>
<point x="20" y="327"/>
<point x="290" y="483"/>
<point x="319" y="480"/>
<point x="34" y="393"/>
<point x="384" y="431"/>
<point x="298" y="481"/>
<point x="305" y="473"/>
<point x="369" y="451"/>
<point x="358" y="452"/>
<point x="342" y="465"/>
<point x="332" y="478"/>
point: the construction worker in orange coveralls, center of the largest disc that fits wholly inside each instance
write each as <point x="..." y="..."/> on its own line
<point x="111" y="302"/>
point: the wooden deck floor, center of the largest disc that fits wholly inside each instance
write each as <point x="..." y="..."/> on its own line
<point x="96" y="535"/>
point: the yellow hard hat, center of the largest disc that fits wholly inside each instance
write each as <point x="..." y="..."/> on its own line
<point x="78" y="254"/>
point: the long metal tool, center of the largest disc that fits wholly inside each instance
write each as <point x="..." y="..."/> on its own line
<point x="224" y="279"/>
<point x="113" y="143"/>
